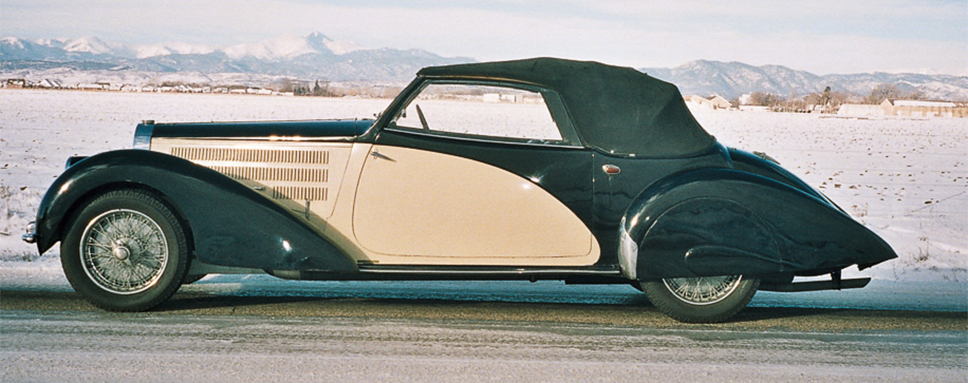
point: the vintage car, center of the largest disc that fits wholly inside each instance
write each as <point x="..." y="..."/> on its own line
<point x="536" y="169"/>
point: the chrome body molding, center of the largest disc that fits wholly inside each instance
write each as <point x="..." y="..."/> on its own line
<point x="628" y="252"/>
<point x="142" y="135"/>
<point x="493" y="271"/>
<point x="275" y="139"/>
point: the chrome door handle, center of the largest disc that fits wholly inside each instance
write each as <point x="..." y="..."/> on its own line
<point x="377" y="155"/>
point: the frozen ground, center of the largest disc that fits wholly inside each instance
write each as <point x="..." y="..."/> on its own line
<point x="904" y="179"/>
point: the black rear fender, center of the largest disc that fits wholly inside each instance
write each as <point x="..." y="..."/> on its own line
<point x="721" y="221"/>
<point x="229" y="223"/>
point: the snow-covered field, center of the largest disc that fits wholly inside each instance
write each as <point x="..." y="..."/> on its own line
<point x="905" y="179"/>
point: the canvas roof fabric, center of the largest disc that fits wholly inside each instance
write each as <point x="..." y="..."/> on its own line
<point x="617" y="110"/>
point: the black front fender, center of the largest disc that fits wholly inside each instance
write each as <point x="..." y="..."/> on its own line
<point x="229" y="224"/>
<point x="722" y="221"/>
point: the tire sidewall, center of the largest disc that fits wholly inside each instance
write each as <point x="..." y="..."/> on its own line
<point x="152" y="207"/>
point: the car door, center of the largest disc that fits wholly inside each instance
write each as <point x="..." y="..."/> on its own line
<point x="476" y="174"/>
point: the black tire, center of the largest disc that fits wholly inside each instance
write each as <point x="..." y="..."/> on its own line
<point x="125" y="251"/>
<point x="701" y="299"/>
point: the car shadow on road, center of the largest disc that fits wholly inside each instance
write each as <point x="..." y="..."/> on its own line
<point x="635" y="314"/>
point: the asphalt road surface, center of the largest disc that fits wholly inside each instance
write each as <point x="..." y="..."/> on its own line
<point x="348" y="333"/>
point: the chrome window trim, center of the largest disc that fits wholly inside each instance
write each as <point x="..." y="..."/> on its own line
<point x="481" y="139"/>
<point x="552" y="100"/>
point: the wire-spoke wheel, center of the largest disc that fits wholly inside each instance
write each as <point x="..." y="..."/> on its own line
<point x="703" y="290"/>
<point x="701" y="299"/>
<point x="125" y="251"/>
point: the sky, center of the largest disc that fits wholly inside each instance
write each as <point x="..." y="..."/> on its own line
<point x="819" y="36"/>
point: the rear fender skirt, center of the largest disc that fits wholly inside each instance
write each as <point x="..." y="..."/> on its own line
<point x="722" y="221"/>
<point x="230" y="224"/>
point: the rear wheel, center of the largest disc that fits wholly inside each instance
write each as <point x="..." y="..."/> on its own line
<point x="125" y="251"/>
<point x="701" y="299"/>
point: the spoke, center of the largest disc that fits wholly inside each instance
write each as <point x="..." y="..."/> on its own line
<point x="132" y="233"/>
<point x="702" y="290"/>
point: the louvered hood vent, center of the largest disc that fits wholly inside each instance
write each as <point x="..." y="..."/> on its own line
<point x="299" y="175"/>
<point x="252" y="155"/>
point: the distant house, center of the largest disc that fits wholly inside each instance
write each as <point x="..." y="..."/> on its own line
<point x="50" y="84"/>
<point x="860" y="110"/>
<point x="720" y="103"/>
<point x="15" y="83"/>
<point x="712" y="103"/>
<point x="498" y="97"/>
<point x="905" y="108"/>
<point x="90" y="86"/>
<point x="917" y="108"/>
<point x="698" y="102"/>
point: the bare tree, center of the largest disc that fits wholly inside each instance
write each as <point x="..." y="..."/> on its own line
<point x="765" y="99"/>
<point x="883" y="92"/>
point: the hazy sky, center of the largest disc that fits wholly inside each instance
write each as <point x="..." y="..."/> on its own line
<point x="820" y="36"/>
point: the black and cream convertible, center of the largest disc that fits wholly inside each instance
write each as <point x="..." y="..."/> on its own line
<point x="537" y="169"/>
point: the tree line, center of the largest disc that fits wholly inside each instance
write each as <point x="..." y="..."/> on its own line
<point x="827" y="100"/>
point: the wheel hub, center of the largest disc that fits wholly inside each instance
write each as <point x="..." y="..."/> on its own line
<point x="125" y="248"/>
<point x="121" y="252"/>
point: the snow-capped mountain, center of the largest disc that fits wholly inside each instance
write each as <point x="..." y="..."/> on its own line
<point x="90" y="44"/>
<point x="12" y="48"/>
<point x="282" y="47"/>
<point x="176" y="48"/>
<point x="279" y="48"/>
<point x="732" y="79"/>
<point x="316" y="56"/>
<point x="312" y="56"/>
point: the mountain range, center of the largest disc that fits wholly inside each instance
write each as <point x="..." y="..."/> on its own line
<point x="309" y="57"/>
<point x="732" y="79"/>
<point x="318" y="57"/>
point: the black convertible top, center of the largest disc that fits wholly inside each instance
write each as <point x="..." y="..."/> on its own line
<point x="615" y="109"/>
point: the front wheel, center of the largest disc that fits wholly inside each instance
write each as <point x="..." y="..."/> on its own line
<point x="701" y="299"/>
<point x="125" y="251"/>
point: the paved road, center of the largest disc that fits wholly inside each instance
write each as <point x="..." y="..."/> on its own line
<point x="208" y="336"/>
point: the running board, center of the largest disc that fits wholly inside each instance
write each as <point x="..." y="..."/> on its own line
<point x="438" y="273"/>
<point x="836" y="284"/>
<point x="488" y="272"/>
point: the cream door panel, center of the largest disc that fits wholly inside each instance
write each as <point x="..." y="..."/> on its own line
<point x="415" y="206"/>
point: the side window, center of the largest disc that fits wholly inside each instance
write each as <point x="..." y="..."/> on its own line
<point x="483" y="111"/>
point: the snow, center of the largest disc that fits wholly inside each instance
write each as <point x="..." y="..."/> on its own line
<point x="285" y="46"/>
<point x="12" y="41"/>
<point x="164" y="49"/>
<point x="904" y="179"/>
<point x="88" y="44"/>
